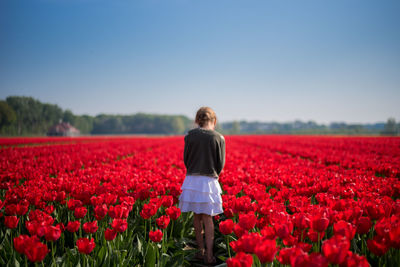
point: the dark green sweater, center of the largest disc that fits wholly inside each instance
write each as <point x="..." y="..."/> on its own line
<point x="204" y="152"/>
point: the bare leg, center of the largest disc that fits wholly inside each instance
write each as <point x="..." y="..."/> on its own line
<point x="198" y="229"/>
<point x="209" y="233"/>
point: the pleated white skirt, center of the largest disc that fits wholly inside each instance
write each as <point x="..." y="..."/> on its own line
<point x="201" y="194"/>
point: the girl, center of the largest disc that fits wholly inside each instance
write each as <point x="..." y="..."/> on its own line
<point x="204" y="158"/>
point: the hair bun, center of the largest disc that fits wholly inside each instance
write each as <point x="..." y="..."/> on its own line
<point x="205" y="115"/>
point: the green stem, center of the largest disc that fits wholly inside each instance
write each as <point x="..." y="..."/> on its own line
<point x="227" y="245"/>
<point x="145" y="229"/>
<point x="172" y="227"/>
<point x="52" y="252"/>
<point x="145" y="253"/>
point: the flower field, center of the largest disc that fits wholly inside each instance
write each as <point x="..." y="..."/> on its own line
<point x="112" y="201"/>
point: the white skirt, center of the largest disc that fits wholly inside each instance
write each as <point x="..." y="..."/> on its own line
<point x="201" y="194"/>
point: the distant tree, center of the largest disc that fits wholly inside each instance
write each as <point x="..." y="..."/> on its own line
<point x="235" y="127"/>
<point x="178" y="125"/>
<point x="51" y="114"/>
<point x="7" y="114"/>
<point x="68" y="116"/>
<point x="390" y="127"/>
<point x="84" y="123"/>
<point x="29" y="114"/>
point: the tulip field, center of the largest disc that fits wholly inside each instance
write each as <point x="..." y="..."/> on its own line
<point x="113" y="201"/>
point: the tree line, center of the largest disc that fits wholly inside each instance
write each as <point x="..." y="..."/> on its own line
<point x="390" y="128"/>
<point x="23" y="116"/>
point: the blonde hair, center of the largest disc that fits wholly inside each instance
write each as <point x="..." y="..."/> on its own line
<point x="205" y="115"/>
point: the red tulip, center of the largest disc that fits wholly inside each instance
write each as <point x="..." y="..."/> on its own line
<point x="49" y="209"/>
<point x="52" y="233"/>
<point x="290" y="241"/>
<point x="163" y="221"/>
<point x="313" y="235"/>
<point x="317" y="260"/>
<point x="119" y="225"/>
<point x="110" y="234"/>
<point x="148" y="210"/>
<point x="36" y="228"/>
<point x="22" y="209"/>
<point x="377" y="246"/>
<point x="344" y="229"/>
<point x="60" y="226"/>
<point x="11" y="222"/>
<point x="286" y="254"/>
<point x="319" y="223"/>
<point x="335" y="249"/>
<point x="36" y="251"/>
<point x="74" y="203"/>
<point x="306" y="247"/>
<point x="394" y="237"/>
<point x="80" y="212"/>
<point x="266" y="250"/>
<point x="228" y="212"/>
<point x="240" y="260"/>
<point x="282" y="230"/>
<point x="100" y="211"/>
<point x="354" y="260"/>
<point x="173" y="212"/>
<point x="301" y="221"/>
<point x="85" y="245"/>
<point x="363" y="225"/>
<point x="118" y="212"/>
<point x="247" y="221"/>
<point x="300" y="259"/>
<point x="226" y="227"/>
<point x="167" y="201"/>
<point x="22" y="241"/>
<point x="11" y="209"/>
<point x="73" y="226"/>
<point x="90" y="227"/>
<point x="239" y="231"/>
<point x="246" y="243"/>
<point x="156" y="236"/>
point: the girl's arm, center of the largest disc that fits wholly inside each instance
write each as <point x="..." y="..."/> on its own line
<point x="185" y="153"/>
<point x="220" y="155"/>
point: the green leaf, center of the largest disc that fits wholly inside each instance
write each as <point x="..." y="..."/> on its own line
<point x="102" y="254"/>
<point x="150" y="256"/>
<point x="139" y="245"/>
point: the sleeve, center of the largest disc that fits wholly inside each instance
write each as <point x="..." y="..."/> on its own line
<point x="220" y="155"/>
<point x="185" y="152"/>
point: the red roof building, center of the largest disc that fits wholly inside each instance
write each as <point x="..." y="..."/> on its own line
<point x="63" y="129"/>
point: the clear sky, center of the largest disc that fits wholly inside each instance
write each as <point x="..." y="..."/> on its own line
<point x="280" y="60"/>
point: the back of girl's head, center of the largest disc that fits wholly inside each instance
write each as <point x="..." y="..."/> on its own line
<point x="205" y="115"/>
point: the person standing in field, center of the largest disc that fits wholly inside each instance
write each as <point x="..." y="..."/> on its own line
<point x="204" y="158"/>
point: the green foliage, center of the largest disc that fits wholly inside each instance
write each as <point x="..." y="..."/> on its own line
<point x="391" y="128"/>
<point x="69" y="117"/>
<point x="300" y="127"/>
<point x="84" y="123"/>
<point x="32" y="117"/>
<point x="20" y="115"/>
<point x="140" y="123"/>
<point x="7" y="114"/>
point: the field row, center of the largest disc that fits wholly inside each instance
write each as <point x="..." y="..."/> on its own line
<point x="287" y="199"/>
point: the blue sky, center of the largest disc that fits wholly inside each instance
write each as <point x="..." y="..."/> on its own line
<point x="256" y="60"/>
